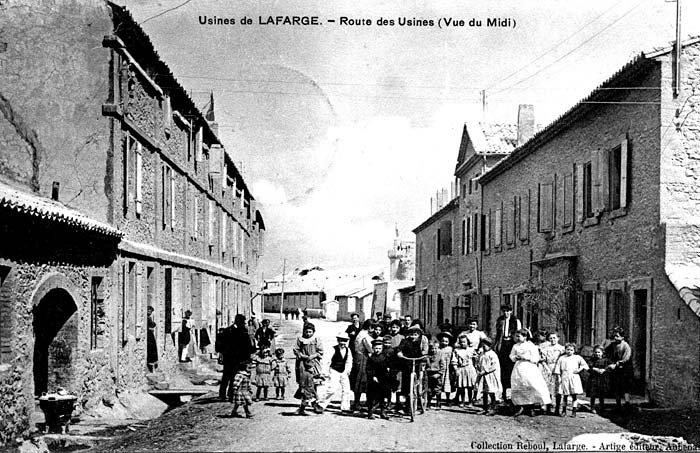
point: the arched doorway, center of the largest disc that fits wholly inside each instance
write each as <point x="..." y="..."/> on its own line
<point x="55" y="339"/>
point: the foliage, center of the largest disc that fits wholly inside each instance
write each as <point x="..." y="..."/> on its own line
<point x="553" y="299"/>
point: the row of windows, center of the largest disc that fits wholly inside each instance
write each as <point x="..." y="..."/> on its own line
<point x="591" y="187"/>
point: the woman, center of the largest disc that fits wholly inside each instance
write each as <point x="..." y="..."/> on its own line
<point x="528" y="387"/>
<point x="363" y="349"/>
<point x="151" y="347"/>
<point x="308" y="351"/>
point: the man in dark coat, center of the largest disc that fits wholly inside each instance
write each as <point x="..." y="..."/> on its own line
<point x="506" y="326"/>
<point x="236" y="347"/>
<point x="264" y="335"/>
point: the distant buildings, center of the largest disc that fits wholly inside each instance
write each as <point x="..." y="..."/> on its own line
<point x="592" y="222"/>
<point x="116" y="194"/>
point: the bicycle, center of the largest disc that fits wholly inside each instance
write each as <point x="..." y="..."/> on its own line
<point x="416" y="395"/>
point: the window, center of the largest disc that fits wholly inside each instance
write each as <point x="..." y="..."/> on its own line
<point x="587" y="190"/>
<point x="469" y="236"/>
<point x="97" y="313"/>
<point x="545" y="207"/>
<point x="511" y="222"/>
<point x="482" y="238"/>
<point x="568" y="200"/>
<point x="440" y="308"/>
<point x="464" y="191"/>
<point x="167" y="196"/>
<point x="470" y="186"/>
<point x="524" y="216"/>
<point x="618" y="175"/>
<point x="445" y="238"/>
<point x="584" y="321"/>
<point x="486" y="233"/>
<point x="139" y="179"/>
<point x="617" y="311"/>
<point x="497" y="227"/>
<point x="486" y="314"/>
<point x="195" y="217"/>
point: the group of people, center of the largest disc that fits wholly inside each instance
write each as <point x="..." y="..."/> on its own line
<point x="292" y="312"/>
<point x="377" y="357"/>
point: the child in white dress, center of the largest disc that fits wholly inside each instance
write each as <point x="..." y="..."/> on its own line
<point x="568" y="368"/>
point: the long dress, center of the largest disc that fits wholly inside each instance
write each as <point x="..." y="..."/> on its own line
<point x="263" y="371"/>
<point x="463" y="364"/>
<point x="363" y="349"/>
<point x="527" y="384"/>
<point x="491" y="381"/>
<point x="550" y="354"/>
<point x="307" y="368"/>
<point x="598" y="385"/>
<point x="568" y="367"/>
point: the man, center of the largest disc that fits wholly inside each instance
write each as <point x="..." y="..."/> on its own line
<point x="405" y="324"/>
<point x="506" y="326"/>
<point x="446" y="327"/>
<point x="619" y="353"/>
<point x="265" y="335"/>
<point x="185" y="337"/>
<point x="236" y="348"/>
<point x="353" y="329"/>
<point x="378" y="380"/>
<point x="339" y="375"/>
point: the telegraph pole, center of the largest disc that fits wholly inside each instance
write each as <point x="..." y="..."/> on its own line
<point x="284" y="269"/>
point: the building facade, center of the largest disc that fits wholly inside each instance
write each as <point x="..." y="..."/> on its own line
<point x="116" y="195"/>
<point x="593" y="223"/>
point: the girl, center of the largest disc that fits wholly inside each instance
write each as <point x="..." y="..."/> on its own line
<point x="281" y="373"/>
<point x="308" y="351"/>
<point x="568" y="367"/>
<point x="598" y="378"/>
<point x="489" y="376"/>
<point x="242" y="392"/>
<point x="263" y="373"/>
<point x="528" y="387"/>
<point x="550" y="355"/>
<point x="465" y="373"/>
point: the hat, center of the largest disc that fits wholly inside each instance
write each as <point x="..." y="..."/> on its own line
<point x="343" y="336"/>
<point x="444" y="334"/>
<point x="378" y="341"/>
<point x="414" y="328"/>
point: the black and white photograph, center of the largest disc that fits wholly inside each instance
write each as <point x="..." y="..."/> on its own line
<point x="303" y="225"/>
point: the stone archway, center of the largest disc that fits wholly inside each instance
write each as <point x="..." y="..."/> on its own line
<point x="55" y="340"/>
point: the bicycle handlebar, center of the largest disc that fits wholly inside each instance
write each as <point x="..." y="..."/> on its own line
<point x="414" y="359"/>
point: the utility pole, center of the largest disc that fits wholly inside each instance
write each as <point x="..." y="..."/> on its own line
<point x="677" y="90"/>
<point x="284" y="269"/>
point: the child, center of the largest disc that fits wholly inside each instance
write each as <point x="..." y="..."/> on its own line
<point x="281" y="373"/>
<point x="263" y="373"/>
<point x="242" y="392"/>
<point x="464" y="371"/>
<point x="489" y="375"/>
<point x="445" y="353"/>
<point x="437" y="370"/>
<point x="528" y="388"/>
<point x="567" y="368"/>
<point x="378" y="380"/>
<point x="308" y="351"/>
<point x="550" y="354"/>
<point x="598" y="378"/>
<point x="415" y="345"/>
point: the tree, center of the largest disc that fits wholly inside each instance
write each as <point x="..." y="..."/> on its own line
<point x="554" y="299"/>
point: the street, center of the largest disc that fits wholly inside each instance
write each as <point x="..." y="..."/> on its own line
<point x="204" y="425"/>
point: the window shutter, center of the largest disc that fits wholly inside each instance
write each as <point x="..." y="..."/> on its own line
<point x="546" y="199"/>
<point x="173" y="187"/>
<point x="604" y="180"/>
<point x="624" y="159"/>
<point x="595" y="181"/>
<point x="198" y="145"/>
<point x="195" y="217"/>
<point x="579" y="193"/>
<point x="224" y="227"/>
<point x="498" y="227"/>
<point x="475" y="231"/>
<point x="127" y="164"/>
<point x="139" y="177"/>
<point x="211" y="219"/>
<point x="167" y="111"/>
<point x="469" y="235"/>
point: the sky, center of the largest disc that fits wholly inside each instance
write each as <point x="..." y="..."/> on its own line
<point x="344" y="132"/>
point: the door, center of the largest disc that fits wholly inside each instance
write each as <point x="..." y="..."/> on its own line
<point x="638" y="340"/>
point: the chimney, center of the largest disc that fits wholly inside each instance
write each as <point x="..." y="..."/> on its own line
<point x="526" y="123"/>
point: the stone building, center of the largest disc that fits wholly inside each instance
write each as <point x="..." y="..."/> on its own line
<point x="115" y="194"/>
<point x="448" y="261"/>
<point x="594" y="222"/>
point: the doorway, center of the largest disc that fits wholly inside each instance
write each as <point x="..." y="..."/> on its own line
<point x="638" y="340"/>
<point x="55" y="339"/>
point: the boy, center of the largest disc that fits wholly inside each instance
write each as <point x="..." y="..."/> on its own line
<point x="339" y="370"/>
<point x="378" y="380"/>
<point x="413" y="346"/>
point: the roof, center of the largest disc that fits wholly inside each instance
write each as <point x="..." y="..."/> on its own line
<point x="341" y="281"/>
<point x="453" y="204"/>
<point x="640" y="63"/>
<point x="50" y="210"/>
<point x="486" y="140"/>
<point x="686" y="280"/>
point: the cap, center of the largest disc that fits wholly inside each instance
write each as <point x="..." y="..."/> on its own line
<point x="378" y="341"/>
<point x="343" y="336"/>
<point x="444" y="334"/>
<point x="414" y="328"/>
